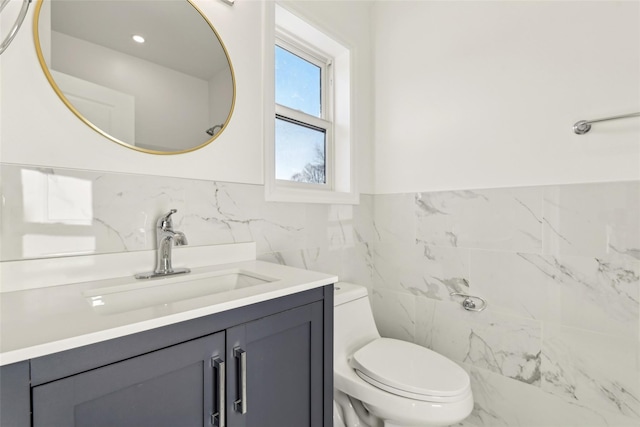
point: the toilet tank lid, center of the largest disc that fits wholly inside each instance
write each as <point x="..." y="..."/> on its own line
<point x="345" y="292"/>
<point x="410" y="367"/>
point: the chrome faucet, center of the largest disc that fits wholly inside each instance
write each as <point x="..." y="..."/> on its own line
<point x="166" y="237"/>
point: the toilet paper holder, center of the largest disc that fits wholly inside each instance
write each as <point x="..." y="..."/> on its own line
<point x="471" y="302"/>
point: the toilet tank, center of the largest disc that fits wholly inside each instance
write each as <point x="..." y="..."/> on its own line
<point x="345" y="292"/>
<point x="353" y="319"/>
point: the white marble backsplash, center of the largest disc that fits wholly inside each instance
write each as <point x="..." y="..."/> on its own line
<point x="501" y="219"/>
<point x="51" y="213"/>
<point x="558" y="345"/>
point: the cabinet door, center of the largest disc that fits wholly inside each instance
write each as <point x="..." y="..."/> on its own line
<point x="171" y="387"/>
<point x="284" y="370"/>
<point x="15" y="396"/>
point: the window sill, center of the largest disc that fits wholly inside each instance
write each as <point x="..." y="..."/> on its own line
<point x="301" y="195"/>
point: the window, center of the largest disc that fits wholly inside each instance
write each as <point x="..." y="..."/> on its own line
<point x="308" y="153"/>
<point x="303" y="137"/>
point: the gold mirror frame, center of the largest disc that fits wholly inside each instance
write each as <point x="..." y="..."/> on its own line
<point x="58" y="91"/>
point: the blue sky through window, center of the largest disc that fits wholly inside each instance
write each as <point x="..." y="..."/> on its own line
<point x="297" y="83"/>
<point x="299" y="149"/>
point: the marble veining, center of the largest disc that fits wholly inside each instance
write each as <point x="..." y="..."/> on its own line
<point x="607" y="289"/>
<point x="526" y="367"/>
<point x="559" y="266"/>
<point x="592" y="369"/>
<point x="592" y="219"/>
<point x="501" y="401"/>
<point x="497" y="342"/>
<point x="511" y="284"/>
<point x="481" y="219"/>
<point x="440" y="271"/>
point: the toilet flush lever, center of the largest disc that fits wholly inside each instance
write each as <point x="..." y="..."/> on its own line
<point x="470" y="302"/>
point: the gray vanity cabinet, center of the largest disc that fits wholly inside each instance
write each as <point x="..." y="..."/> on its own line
<point x="166" y="388"/>
<point x="284" y="374"/>
<point x="277" y="372"/>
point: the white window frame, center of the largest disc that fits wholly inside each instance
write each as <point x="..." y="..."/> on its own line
<point x="300" y="37"/>
<point x="324" y="122"/>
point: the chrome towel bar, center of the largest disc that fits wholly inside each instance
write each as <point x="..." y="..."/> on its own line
<point x="584" y="126"/>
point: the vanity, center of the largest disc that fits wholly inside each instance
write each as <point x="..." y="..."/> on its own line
<point x="232" y="342"/>
<point x="239" y="344"/>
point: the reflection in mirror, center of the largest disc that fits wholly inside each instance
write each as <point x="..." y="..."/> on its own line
<point x="152" y="75"/>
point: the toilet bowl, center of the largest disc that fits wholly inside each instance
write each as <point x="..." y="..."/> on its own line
<point x="387" y="382"/>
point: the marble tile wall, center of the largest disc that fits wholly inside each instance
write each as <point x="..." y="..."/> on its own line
<point x="558" y="345"/>
<point x="61" y="212"/>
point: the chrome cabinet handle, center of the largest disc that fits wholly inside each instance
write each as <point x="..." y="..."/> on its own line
<point x="240" y="405"/>
<point x="218" y="418"/>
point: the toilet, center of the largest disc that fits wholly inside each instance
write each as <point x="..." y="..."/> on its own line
<point x="384" y="382"/>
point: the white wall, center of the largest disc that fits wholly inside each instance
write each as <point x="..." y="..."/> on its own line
<point x="37" y="129"/>
<point x="171" y="108"/>
<point x="484" y="94"/>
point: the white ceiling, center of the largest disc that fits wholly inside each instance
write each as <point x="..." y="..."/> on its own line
<point x="176" y="35"/>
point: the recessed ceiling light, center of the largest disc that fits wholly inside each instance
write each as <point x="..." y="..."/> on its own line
<point x="137" y="38"/>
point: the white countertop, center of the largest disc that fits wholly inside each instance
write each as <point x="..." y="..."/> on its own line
<point x="37" y="322"/>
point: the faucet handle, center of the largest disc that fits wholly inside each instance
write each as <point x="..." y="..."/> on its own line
<point x="165" y="222"/>
<point x="171" y="212"/>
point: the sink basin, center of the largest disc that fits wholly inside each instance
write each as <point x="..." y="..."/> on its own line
<point x="162" y="292"/>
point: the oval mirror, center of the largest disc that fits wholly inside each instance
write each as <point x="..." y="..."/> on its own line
<point x="152" y="75"/>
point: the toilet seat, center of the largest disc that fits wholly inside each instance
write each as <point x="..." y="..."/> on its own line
<point x="409" y="370"/>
